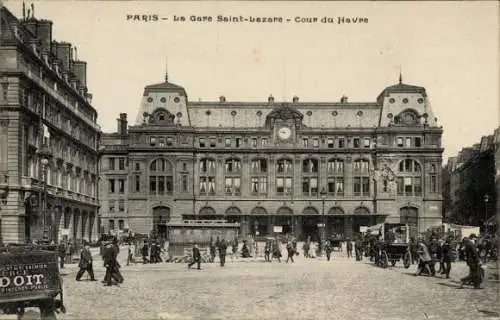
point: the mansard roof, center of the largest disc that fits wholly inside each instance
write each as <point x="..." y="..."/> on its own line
<point x="402" y="88"/>
<point x="164" y="87"/>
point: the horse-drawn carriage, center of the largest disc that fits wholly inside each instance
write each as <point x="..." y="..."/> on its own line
<point x="29" y="278"/>
<point x="394" y="245"/>
<point x="336" y="244"/>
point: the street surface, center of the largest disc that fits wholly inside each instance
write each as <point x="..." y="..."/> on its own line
<point x="307" y="289"/>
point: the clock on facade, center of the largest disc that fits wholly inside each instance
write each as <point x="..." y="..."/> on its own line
<point x="284" y="133"/>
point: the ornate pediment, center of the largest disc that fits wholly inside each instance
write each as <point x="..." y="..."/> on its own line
<point x="160" y="116"/>
<point x="408" y="117"/>
<point x="284" y="112"/>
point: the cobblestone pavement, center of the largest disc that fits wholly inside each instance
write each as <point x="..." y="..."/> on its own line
<point x="307" y="289"/>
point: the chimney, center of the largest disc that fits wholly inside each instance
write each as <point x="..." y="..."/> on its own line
<point x="295" y="99"/>
<point x="343" y="99"/>
<point x="63" y="53"/>
<point x="222" y="99"/>
<point x="30" y="24"/>
<point x="270" y="99"/>
<point x="44" y="34"/>
<point x="122" y="124"/>
<point x="80" y="71"/>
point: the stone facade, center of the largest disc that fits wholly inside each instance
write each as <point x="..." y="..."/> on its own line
<point x="471" y="183"/>
<point x="292" y="164"/>
<point x="45" y="106"/>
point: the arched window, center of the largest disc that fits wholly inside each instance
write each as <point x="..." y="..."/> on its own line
<point x="161" y="181"/>
<point x="310" y="177"/>
<point x="284" y="177"/>
<point x="335" y="171"/>
<point x="409" y="178"/>
<point x="258" y="178"/>
<point x="361" y="173"/>
<point x="207" y="176"/>
<point x="232" y="180"/>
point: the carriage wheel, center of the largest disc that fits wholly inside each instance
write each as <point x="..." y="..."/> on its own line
<point x="407" y="260"/>
<point x="384" y="260"/>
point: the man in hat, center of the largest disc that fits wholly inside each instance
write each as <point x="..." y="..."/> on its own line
<point x="111" y="264"/>
<point x="473" y="261"/>
<point x="222" y="252"/>
<point x="196" y="257"/>
<point x="85" y="263"/>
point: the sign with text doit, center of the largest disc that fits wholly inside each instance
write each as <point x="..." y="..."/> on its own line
<point x="26" y="275"/>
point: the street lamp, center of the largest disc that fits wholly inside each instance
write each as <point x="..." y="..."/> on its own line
<point x="486" y="199"/>
<point x="45" y="154"/>
<point x="323" y="199"/>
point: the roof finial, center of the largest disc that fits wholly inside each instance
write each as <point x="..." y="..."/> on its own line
<point x="24" y="10"/>
<point x="166" y="70"/>
<point x="400" y="75"/>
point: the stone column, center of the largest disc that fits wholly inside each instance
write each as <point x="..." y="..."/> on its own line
<point x="348" y="179"/>
<point x="297" y="175"/>
<point x="245" y="176"/>
<point x="272" y="176"/>
<point x="219" y="175"/>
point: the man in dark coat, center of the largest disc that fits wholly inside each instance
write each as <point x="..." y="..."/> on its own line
<point x="62" y="254"/>
<point x="145" y="252"/>
<point x="222" y="252"/>
<point x="85" y="264"/>
<point x="473" y="261"/>
<point x="349" y="248"/>
<point x="328" y="250"/>
<point x="112" y="265"/>
<point x="196" y="257"/>
<point x="447" y="257"/>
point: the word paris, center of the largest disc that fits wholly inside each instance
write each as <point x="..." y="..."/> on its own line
<point x="253" y="19"/>
<point x="22" y="280"/>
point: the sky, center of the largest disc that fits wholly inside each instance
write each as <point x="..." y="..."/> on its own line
<point x="450" y="48"/>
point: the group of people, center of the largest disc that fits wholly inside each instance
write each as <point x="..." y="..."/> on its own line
<point x="441" y="252"/>
<point x="110" y="258"/>
<point x="220" y="246"/>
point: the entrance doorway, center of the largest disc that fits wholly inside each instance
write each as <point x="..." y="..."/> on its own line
<point x="161" y="216"/>
<point x="310" y="227"/>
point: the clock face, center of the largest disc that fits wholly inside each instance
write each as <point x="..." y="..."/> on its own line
<point x="284" y="133"/>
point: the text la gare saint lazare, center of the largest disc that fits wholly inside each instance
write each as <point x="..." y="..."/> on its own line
<point x="248" y="19"/>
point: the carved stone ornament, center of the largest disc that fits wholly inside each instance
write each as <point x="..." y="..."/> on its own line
<point x="284" y="112"/>
<point x="4" y="122"/>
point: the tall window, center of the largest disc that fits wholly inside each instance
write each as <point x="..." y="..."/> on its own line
<point x="284" y="177"/>
<point x="111" y="162"/>
<point x="310" y="177"/>
<point x="111" y="184"/>
<point x="121" y="163"/>
<point x="361" y="181"/>
<point x="409" y="178"/>
<point x="232" y="181"/>
<point x="121" y="185"/>
<point x="433" y="179"/>
<point x="258" y="179"/>
<point x="207" y="176"/>
<point x="161" y="177"/>
<point x="335" y="171"/>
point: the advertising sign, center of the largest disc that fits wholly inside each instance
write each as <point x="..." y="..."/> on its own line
<point x="363" y="229"/>
<point x="28" y="275"/>
<point x="278" y="229"/>
<point x="65" y="232"/>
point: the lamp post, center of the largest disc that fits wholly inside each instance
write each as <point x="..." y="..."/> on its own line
<point x="45" y="154"/>
<point x="486" y="199"/>
<point x="323" y="199"/>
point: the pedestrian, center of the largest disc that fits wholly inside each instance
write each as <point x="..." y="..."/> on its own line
<point x="277" y="251"/>
<point x="130" y="256"/>
<point x="290" y="252"/>
<point x="222" y="252"/>
<point x="425" y="260"/>
<point x="267" y="252"/>
<point x="213" y="250"/>
<point x="85" y="263"/>
<point x="62" y="254"/>
<point x="473" y="261"/>
<point x="145" y="252"/>
<point x="112" y="266"/>
<point x="328" y="250"/>
<point x="349" y="248"/>
<point x="447" y="257"/>
<point x="196" y="257"/>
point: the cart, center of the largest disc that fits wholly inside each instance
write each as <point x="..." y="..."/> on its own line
<point x="29" y="278"/>
<point x="336" y="244"/>
<point x="394" y="245"/>
<point x="394" y="252"/>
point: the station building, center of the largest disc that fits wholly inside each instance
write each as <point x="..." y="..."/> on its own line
<point x="299" y="165"/>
